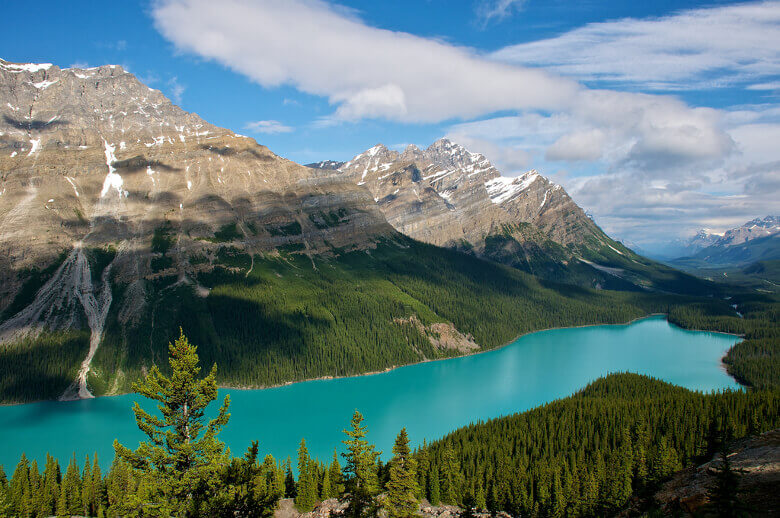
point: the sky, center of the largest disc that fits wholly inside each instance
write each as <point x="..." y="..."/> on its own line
<point x="659" y="118"/>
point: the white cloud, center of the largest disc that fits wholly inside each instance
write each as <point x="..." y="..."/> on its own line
<point x="574" y="147"/>
<point x="269" y="127"/>
<point x="699" y="48"/>
<point x="176" y="89"/>
<point x="365" y="71"/>
<point x="772" y="85"/>
<point x="488" y="10"/>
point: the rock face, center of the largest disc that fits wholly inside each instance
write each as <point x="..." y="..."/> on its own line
<point x="103" y="178"/>
<point x="758" y="457"/>
<point x="449" y="196"/>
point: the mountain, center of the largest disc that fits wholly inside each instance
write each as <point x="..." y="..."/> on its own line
<point x="449" y="196"/>
<point x="329" y="165"/>
<point x="756" y="240"/>
<point x="124" y="217"/>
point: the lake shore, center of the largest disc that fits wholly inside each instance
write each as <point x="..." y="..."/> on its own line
<point x="483" y="351"/>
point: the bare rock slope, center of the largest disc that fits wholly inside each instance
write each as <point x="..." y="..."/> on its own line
<point x="104" y="178"/>
<point x="449" y="196"/>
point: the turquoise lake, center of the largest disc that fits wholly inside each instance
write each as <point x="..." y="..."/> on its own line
<point x="430" y="399"/>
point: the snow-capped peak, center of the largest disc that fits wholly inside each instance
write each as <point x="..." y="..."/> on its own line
<point x="24" y="67"/>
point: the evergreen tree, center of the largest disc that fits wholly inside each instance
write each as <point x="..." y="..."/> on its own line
<point x="289" y="480"/>
<point x="434" y="491"/>
<point x="360" y="470"/>
<point x="239" y="490"/>
<point x="450" y="473"/>
<point x="724" y="494"/>
<point x="87" y="488"/>
<point x="120" y="486"/>
<point x="19" y="488"/>
<point x="69" y="502"/>
<point x="51" y="486"/>
<point x="183" y="449"/>
<point x="334" y="475"/>
<point x="306" y="489"/>
<point x="5" y="497"/>
<point x="402" y="488"/>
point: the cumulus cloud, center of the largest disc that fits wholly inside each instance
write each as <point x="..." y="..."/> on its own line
<point x="269" y="127"/>
<point x="701" y="48"/>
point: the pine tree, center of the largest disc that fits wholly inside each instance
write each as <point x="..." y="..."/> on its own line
<point x="360" y="470"/>
<point x="306" y="489"/>
<point x="450" y="474"/>
<point x="289" y="480"/>
<point x="120" y="486"/>
<point x="239" y="490"/>
<point x="401" y="501"/>
<point x="87" y="489"/>
<point x="98" y="490"/>
<point x="51" y="486"/>
<point x="19" y="489"/>
<point x="334" y="474"/>
<point x="724" y="494"/>
<point x="183" y="449"/>
<point x="479" y="496"/>
<point x="5" y="497"/>
<point x="69" y="502"/>
<point x="434" y="492"/>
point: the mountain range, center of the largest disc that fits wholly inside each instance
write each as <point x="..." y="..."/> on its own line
<point x="756" y="240"/>
<point x="125" y="217"/>
<point x="449" y="196"/>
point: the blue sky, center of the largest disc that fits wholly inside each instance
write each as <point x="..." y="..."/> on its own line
<point x="658" y="117"/>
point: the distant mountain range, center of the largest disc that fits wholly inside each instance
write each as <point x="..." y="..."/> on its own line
<point x="756" y="240"/>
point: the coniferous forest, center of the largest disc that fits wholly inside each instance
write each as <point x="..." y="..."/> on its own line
<point x="581" y="456"/>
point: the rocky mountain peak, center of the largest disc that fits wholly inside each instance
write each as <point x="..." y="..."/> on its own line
<point x="94" y="163"/>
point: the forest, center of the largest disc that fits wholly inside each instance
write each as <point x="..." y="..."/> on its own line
<point x="585" y="455"/>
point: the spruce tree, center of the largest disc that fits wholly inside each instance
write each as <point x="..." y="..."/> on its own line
<point x="334" y="474"/>
<point x="86" y="487"/>
<point x="724" y="493"/>
<point x="51" y="486"/>
<point x="183" y="449"/>
<point x="70" y="491"/>
<point x="434" y="491"/>
<point x="402" y="488"/>
<point x="450" y="476"/>
<point x="239" y="490"/>
<point x="289" y="480"/>
<point x="19" y="489"/>
<point x="360" y="470"/>
<point x="120" y="486"/>
<point x="306" y="489"/>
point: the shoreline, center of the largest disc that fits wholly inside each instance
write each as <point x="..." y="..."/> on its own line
<point x="722" y="365"/>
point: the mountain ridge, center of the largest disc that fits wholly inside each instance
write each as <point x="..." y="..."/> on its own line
<point x="449" y="196"/>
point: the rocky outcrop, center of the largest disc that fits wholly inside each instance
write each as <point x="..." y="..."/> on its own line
<point x="758" y="458"/>
<point x="333" y="507"/>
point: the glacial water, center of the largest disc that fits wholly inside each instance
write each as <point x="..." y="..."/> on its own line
<point x="430" y="399"/>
